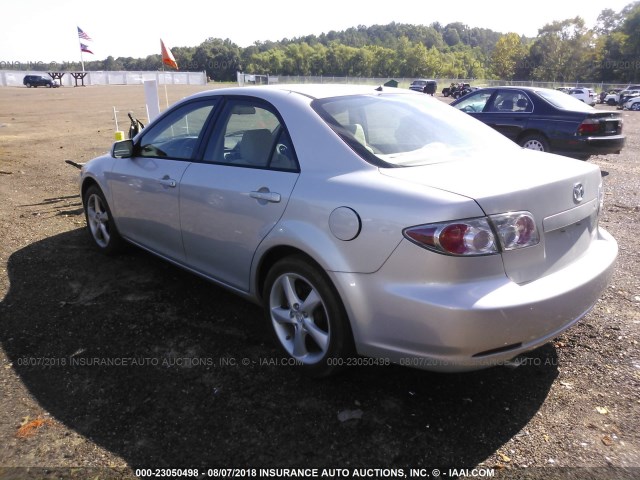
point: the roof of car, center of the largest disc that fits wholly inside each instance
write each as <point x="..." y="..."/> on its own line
<point x="309" y="90"/>
<point x="525" y="88"/>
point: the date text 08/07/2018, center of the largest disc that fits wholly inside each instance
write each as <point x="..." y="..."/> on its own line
<point x="316" y="473"/>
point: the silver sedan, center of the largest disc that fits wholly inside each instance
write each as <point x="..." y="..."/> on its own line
<point x="369" y="223"/>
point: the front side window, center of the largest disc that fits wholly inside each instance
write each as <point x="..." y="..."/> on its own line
<point x="251" y="136"/>
<point x="475" y="102"/>
<point x="176" y="136"/>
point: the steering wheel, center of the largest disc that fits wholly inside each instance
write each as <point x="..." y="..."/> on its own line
<point x="468" y="108"/>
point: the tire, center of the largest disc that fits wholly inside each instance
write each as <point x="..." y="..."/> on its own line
<point x="635" y="107"/>
<point x="535" y="142"/>
<point x="611" y="102"/>
<point x="307" y="317"/>
<point x="100" y="224"/>
<point x="28" y="85"/>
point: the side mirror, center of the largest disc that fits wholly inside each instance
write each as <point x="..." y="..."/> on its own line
<point x="122" y="149"/>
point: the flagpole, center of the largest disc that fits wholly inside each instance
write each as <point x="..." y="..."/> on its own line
<point x="81" y="57"/>
<point x="166" y="95"/>
<point x="80" y="46"/>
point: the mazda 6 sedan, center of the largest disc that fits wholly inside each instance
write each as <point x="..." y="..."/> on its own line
<point x="365" y="221"/>
<point x="546" y="120"/>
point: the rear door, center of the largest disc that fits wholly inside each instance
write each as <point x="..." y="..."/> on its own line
<point x="232" y="199"/>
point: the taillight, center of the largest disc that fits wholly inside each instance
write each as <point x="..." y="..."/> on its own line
<point x="477" y="236"/>
<point x="589" y="126"/>
<point x="516" y="230"/>
<point x="465" y="237"/>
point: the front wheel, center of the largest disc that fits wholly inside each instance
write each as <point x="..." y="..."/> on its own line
<point x="535" y="142"/>
<point x="307" y="317"/>
<point x="635" y="107"/>
<point x="100" y="224"/>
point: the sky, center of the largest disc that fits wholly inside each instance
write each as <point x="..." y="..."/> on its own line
<point x="44" y="31"/>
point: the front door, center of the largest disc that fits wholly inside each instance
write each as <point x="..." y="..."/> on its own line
<point x="146" y="187"/>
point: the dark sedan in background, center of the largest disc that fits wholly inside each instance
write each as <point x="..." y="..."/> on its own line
<point x="546" y="120"/>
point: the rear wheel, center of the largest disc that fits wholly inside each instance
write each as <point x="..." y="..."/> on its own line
<point x="100" y="224"/>
<point x="28" y="85"/>
<point x="535" y="142"/>
<point x="307" y="317"/>
<point x="635" y="107"/>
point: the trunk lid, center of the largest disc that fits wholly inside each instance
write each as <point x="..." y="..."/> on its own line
<point x="603" y="124"/>
<point x="561" y="193"/>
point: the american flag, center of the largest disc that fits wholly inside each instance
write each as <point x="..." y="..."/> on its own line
<point x="83" y="35"/>
<point x="85" y="48"/>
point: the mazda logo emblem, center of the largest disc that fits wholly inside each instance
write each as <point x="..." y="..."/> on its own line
<point x="578" y="192"/>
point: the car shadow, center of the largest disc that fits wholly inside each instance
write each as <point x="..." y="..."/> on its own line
<point x="167" y="370"/>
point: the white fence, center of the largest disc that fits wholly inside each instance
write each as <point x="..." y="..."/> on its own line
<point x="13" y="78"/>
<point x="247" y="79"/>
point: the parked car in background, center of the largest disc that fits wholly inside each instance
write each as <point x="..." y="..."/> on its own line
<point x="625" y="96"/>
<point x="362" y="219"/>
<point x="546" y="120"/>
<point x="564" y="89"/>
<point x="38" y="81"/>
<point x="424" y="86"/>
<point x="583" y="94"/>
<point x="612" y="96"/>
<point x="457" y="90"/>
<point x="633" y="103"/>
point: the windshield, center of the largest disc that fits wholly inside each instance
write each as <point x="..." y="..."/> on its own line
<point x="408" y="130"/>
<point x="563" y="100"/>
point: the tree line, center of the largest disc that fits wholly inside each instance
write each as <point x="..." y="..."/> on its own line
<point x="563" y="51"/>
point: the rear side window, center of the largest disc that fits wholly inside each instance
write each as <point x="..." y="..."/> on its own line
<point x="251" y="135"/>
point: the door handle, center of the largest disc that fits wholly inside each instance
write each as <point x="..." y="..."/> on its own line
<point x="167" y="182"/>
<point x="272" y="197"/>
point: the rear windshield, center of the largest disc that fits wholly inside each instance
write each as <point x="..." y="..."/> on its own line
<point x="408" y="130"/>
<point x="563" y="101"/>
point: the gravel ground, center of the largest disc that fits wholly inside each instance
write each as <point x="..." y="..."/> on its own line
<point x="571" y="411"/>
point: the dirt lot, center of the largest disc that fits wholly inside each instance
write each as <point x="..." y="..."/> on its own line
<point x="201" y="388"/>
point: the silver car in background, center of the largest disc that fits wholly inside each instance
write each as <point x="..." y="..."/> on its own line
<point x="371" y="221"/>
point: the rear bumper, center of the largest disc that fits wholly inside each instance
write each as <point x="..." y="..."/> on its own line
<point x="456" y="326"/>
<point x="582" y="147"/>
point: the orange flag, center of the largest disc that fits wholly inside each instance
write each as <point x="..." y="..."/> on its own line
<point x="167" y="56"/>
